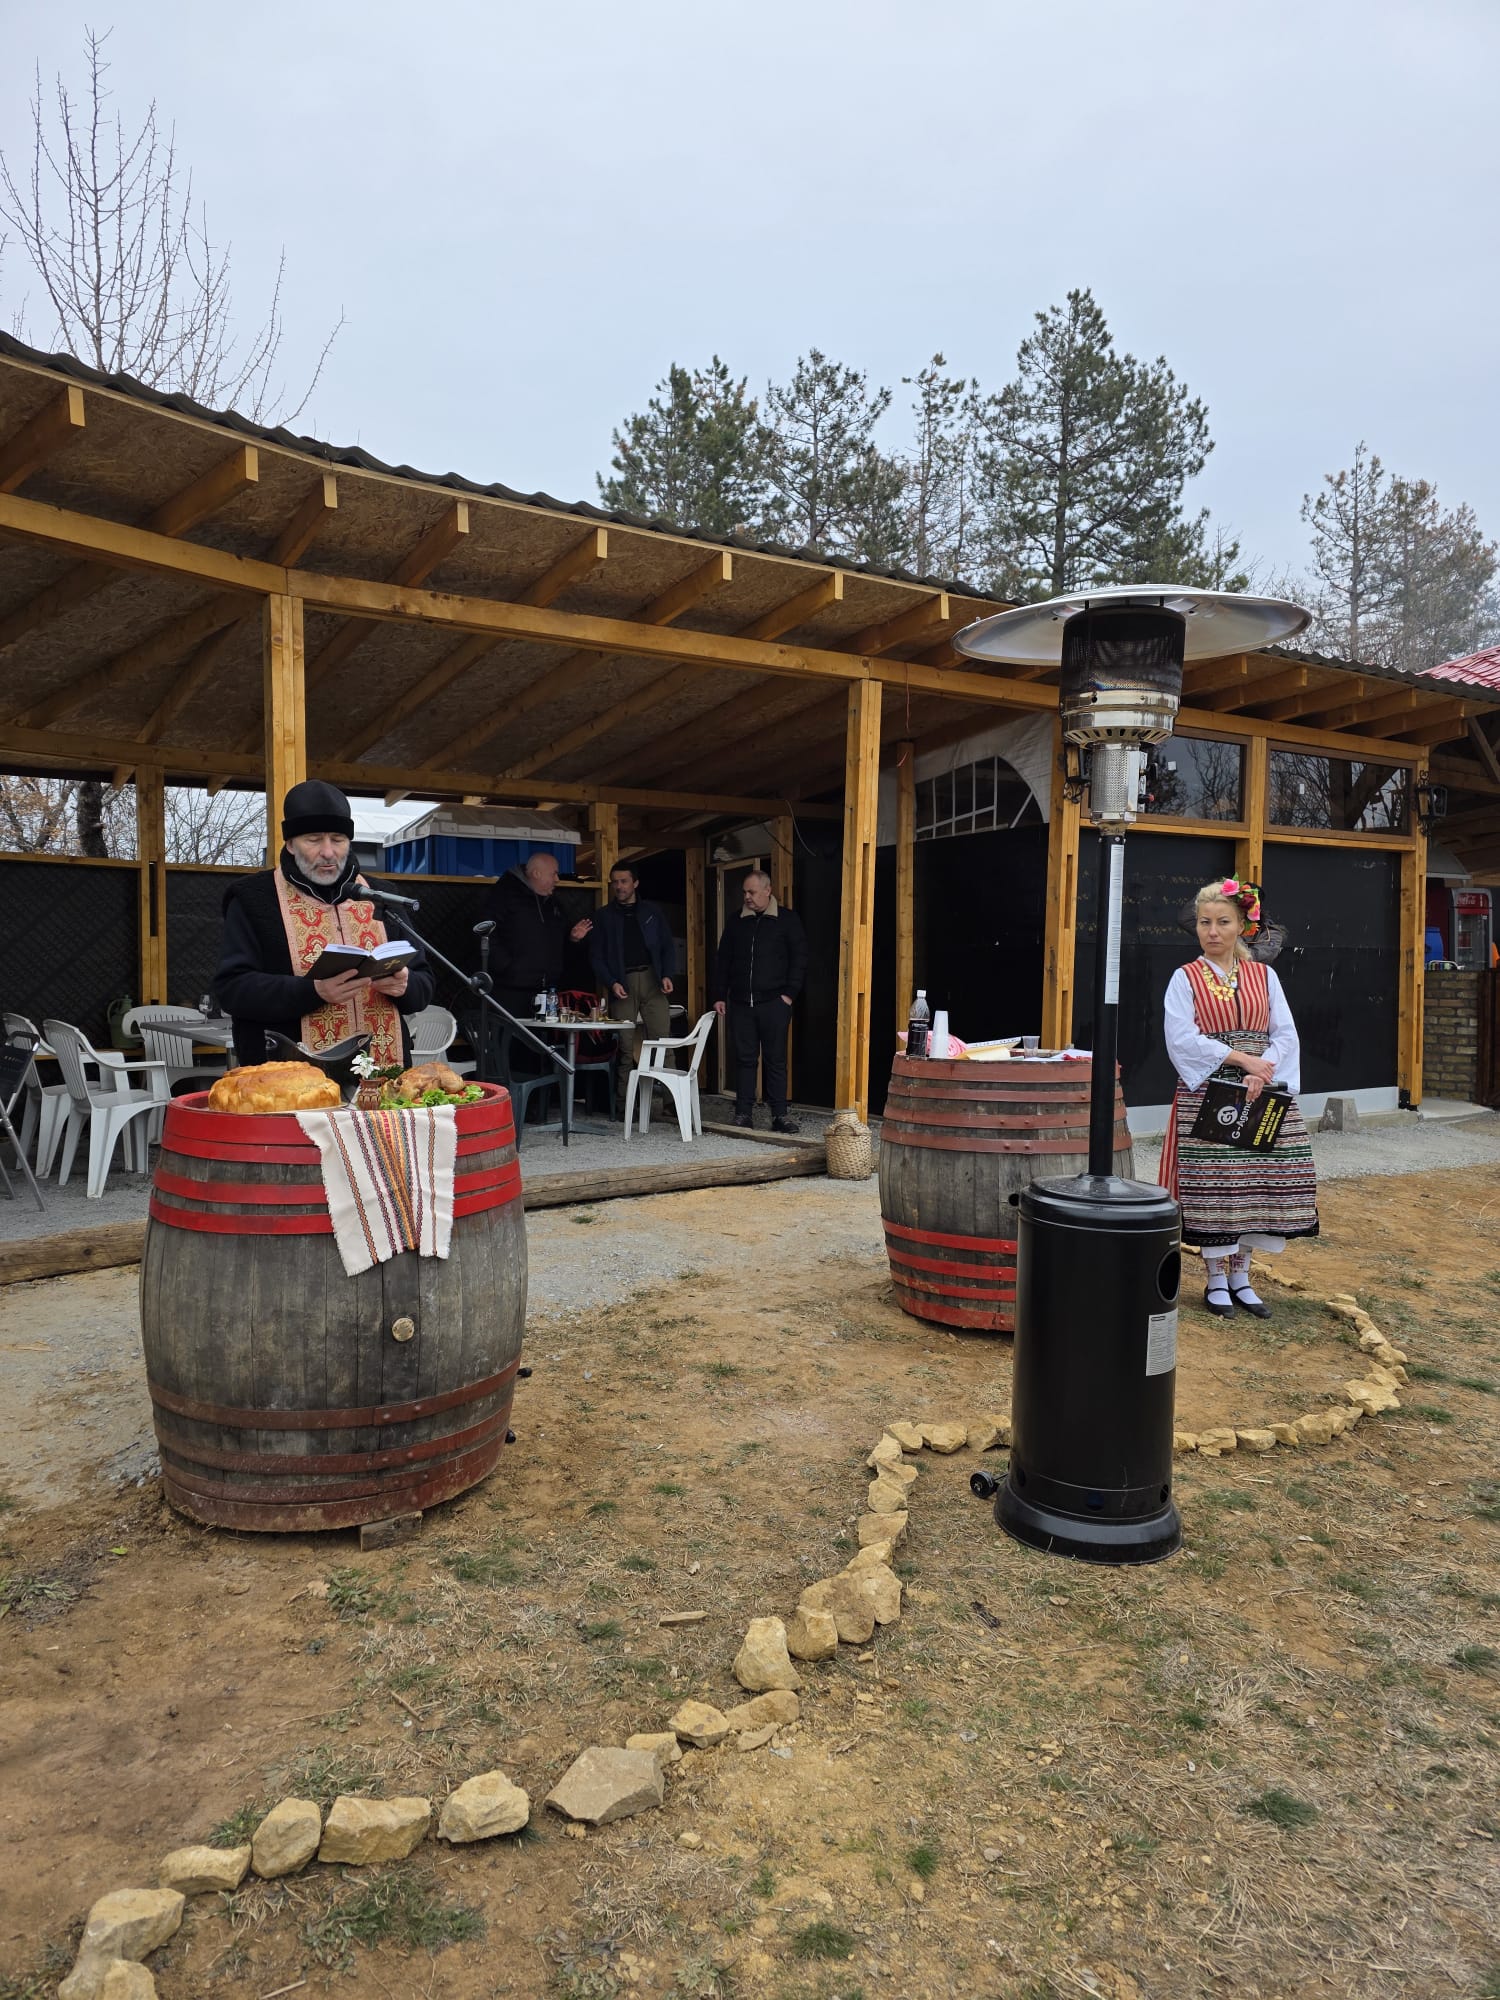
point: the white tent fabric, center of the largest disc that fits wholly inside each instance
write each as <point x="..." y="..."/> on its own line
<point x="1026" y="745"/>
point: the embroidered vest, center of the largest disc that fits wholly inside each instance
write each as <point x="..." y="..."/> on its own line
<point x="309" y="926"/>
<point x="1220" y="1013"/>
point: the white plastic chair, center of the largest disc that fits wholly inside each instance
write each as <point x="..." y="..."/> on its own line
<point x="167" y="1033"/>
<point x="433" y="1031"/>
<point x="107" y="1107"/>
<point x="46" y="1103"/>
<point x="682" y="1083"/>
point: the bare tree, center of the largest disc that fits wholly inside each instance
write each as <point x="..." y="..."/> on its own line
<point x="228" y="829"/>
<point x="91" y="817"/>
<point x="131" y="277"/>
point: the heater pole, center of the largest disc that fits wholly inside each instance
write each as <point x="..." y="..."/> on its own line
<point x="1106" y="1002"/>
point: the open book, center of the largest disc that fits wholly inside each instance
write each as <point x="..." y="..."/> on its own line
<point x="377" y="961"/>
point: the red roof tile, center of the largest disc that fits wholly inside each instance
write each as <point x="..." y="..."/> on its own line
<point x="1479" y="669"/>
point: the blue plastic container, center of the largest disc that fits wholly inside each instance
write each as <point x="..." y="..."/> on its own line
<point x="463" y="854"/>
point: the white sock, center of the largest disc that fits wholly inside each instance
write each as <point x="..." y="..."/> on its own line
<point x="1218" y="1278"/>
<point x="1239" y="1277"/>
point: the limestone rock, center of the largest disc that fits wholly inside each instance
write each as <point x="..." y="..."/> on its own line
<point x="762" y="1661"/>
<point x="1315" y="1428"/>
<point x="1222" y="1439"/>
<point x="777" y="1708"/>
<point x="1372" y="1395"/>
<point x="754" y="1739"/>
<point x="908" y="1436"/>
<point x="195" y="1870"/>
<point x="847" y="1602"/>
<point x="286" y="1838"/>
<point x="1344" y="1418"/>
<point x="698" y="1723"/>
<point x="902" y="1472"/>
<point x="945" y="1437"/>
<point x="887" y="1452"/>
<point x="813" y="1635"/>
<point x="887" y="1495"/>
<point x="662" y="1744"/>
<point x="1287" y="1434"/>
<point x="1257" y="1440"/>
<point x="126" y="1981"/>
<point x="882" y="1528"/>
<point x="872" y="1556"/>
<point x="122" y="1926"/>
<point x="1184" y="1440"/>
<point x="365" y="1830"/>
<point x="484" y="1807"/>
<point x="602" y="1785"/>
<point x="1388" y="1378"/>
<point x="982" y="1435"/>
<point x="882" y="1587"/>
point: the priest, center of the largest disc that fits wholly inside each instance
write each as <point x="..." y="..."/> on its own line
<point x="276" y="926"/>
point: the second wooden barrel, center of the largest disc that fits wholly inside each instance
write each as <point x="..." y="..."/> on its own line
<point x="287" y="1395"/>
<point x="956" y="1141"/>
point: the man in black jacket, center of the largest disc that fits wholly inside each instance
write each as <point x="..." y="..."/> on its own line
<point x="633" y="957"/>
<point x="276" y="925"/>
<point x="529" y="945"/>
<point x="758" y="973"/>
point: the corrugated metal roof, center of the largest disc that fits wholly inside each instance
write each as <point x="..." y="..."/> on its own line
<point x="357" y="458"/>
<point x="1473" y="670"/>
<point x="1484" y="690"/>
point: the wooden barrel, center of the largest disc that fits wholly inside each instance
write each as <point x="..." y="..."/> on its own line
<point x="957" y="1139"/>
<point x="287" y="1395"/>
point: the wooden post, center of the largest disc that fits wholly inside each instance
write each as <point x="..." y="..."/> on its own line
<point x="1413" y="958"/>
<point x="696" y="970"/>
<point x="604" y="825"/>
<point x="906" y="877"/>
<point x="1062" y="908"/>
<point x="782" y="874"/>
<point x="151" y="859"/>
<point x="857" y="927"/>
<point x="285" y="710"/>
<point x="1250" y="848"/>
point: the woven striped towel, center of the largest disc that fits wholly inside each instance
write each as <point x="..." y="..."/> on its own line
<point x="388" y="1179"/>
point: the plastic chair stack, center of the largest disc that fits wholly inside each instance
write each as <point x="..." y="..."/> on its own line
<point x="108" y="1111"/>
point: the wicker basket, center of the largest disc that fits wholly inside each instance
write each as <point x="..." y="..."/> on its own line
<point x="850" y="1155"/>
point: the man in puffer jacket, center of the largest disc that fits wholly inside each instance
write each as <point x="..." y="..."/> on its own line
<point x="758" y="973"/>
<point x="532" y="933"/>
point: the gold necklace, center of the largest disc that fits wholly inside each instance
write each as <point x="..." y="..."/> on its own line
<point x="1217" y="980"/>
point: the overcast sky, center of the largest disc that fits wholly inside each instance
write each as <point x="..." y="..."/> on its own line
<point x="527" y="211"/>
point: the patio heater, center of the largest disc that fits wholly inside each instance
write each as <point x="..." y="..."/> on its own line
<point x="1098" y="1259"/>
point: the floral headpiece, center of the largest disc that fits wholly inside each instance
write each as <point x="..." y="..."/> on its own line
<point x="1246" y="898"/>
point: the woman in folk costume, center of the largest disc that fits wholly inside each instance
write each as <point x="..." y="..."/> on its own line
<point x="1227" y="1009"/>
<point x="276" y="925"/>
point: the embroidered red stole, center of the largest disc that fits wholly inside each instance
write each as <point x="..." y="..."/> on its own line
<point x="310" y="925"/>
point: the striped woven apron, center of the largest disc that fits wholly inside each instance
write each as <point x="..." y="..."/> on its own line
<point x="1228" y="1192"/>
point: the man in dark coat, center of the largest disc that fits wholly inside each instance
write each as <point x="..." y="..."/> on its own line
<point x="276" y="926"/>
<point x="529" y="946"/>
<point x="758" y="973"/>
<point x="634" y="957"/>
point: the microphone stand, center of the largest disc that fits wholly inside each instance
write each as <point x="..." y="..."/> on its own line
<point x="480" y="984"/>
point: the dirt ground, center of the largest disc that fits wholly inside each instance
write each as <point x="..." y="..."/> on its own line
<point x="1269" y="1766"/>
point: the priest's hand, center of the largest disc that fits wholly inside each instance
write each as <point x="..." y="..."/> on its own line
<point x="348" y="986"/>
<point x="395" y="986"/>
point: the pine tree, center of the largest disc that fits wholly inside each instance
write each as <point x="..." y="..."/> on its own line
<point x="832" y="489"/>
<point x="1089" y="452"/>
<point x="694" y="456"/>
<point x="941" y="507"/>
<point x="1401" y="582"/>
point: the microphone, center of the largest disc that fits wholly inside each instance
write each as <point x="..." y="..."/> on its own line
<point x="393" y="901"/>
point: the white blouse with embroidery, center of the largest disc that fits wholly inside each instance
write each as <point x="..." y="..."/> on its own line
<point x="1195" y="1056"/>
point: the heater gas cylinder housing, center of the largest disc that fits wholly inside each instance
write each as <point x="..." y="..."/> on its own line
<point x="1120" y="685"/>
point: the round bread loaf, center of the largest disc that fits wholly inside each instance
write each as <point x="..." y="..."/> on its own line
<point x="275" y="1086"/>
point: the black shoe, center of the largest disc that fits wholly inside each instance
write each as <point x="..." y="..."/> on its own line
<point x="744" y="1118"/>
<point x="1219" y="1312"/>
<point x="1246" y="1304"/>
<point x="785" y="1125"/>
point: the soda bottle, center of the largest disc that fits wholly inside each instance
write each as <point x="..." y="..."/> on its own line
<point x="919" y="1027"/>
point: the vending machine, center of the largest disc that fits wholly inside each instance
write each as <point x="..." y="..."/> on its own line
<point x="1472" y="929"/>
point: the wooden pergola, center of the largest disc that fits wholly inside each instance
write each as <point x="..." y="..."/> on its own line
<point x="188" y="598"/>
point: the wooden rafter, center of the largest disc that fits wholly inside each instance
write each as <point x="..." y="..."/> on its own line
<point x="1334" y="687"/>
<point x="432" y="547"/>
<point x="795" y="611"/>
<point x="582" y="666"/>
<point x="207" y="628"/>
<point x="175" y="517"/>
<point x="55" y="424"/>
<point x="1440" y="724"/>
<point x="1215" y="674"/>
<point x="1484" y="749"/>
<point x="676" y="750"/>
<point x="913" y="623"/>
<point x="1255" y="695"/>
<point x="651" y="695"/>
<point x="1372" y="708"/>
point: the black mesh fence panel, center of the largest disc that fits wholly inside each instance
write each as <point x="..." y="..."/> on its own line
<point x="70" y="941"/>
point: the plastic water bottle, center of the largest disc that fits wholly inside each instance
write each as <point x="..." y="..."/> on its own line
<point x="919" y="1027"/>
